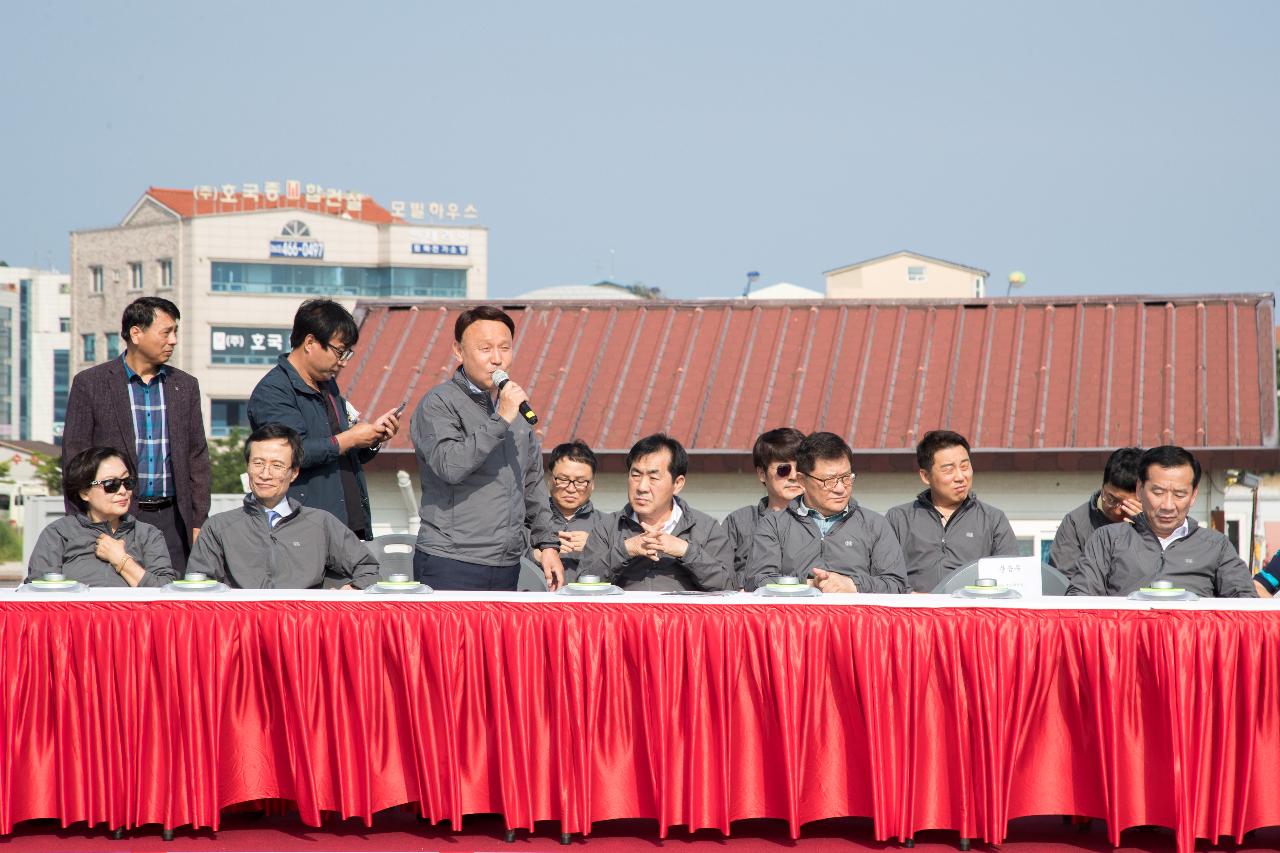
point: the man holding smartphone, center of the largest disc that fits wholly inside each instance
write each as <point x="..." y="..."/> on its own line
<point x="301" y="392"/>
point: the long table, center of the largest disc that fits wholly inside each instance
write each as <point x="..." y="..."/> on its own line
<point x="133" y="707"/>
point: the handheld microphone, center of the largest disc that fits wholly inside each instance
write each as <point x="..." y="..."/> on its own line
<point x="500" y="378"/>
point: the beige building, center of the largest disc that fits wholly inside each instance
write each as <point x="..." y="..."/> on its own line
<point x="238" y="263"/>
<point x="35" y="323"/>
<point x="906" y="275"/>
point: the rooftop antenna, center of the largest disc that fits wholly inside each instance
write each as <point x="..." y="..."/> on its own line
<point x="752" y="278"/>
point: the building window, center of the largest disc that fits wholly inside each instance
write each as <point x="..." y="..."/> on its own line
<point x="166" y="274"/>
<point x="915" y="274"/>
<point x="113" y="346"/>
<point x="61" y="387"/>
<point x="95" y="274"/>
<point x="226" y="415"/>
<point x="64" y="324"/>
<point x="979" y="290"/>
<point x="320" y="280"/>
<point x="90" y="344"/>
<point x="135" y="276"/>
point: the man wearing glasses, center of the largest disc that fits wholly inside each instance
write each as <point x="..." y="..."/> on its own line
<point x="572" y="479"/>
<point x="946" y="527"/>
<point x="1115" y="502"/>
<point x="301" y="392"/>
<point x="273" y="541"/>
<point x="823" y="535"/>
<point x="774" y="456"/>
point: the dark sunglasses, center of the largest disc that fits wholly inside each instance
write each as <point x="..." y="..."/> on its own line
<point x="783" y="471"/>
<point x="111" y="485"/>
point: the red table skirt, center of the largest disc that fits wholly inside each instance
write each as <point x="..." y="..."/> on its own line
<point x="699" y="715"/>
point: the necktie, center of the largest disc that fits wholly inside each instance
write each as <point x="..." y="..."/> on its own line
<point x="273" y="518"/>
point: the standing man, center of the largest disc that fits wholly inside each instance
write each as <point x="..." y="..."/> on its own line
<point x="774" y="456"/>
<point x="301" y="392"/>
<point x="657" y="541"/>
<point x="150" y="412"/>
<point x="946" y="527"/>
<point x="1163" y="543"/>
<point x="823" y="535"/>
<point x="1115" y="502"/>
<point x="484" y="500"/>
<point x="572" y="479"/>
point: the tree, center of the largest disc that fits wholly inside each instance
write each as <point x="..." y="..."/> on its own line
<point x="226" y="463"/>
<point x="4" y="470"/>
<point x="49" y="472"/>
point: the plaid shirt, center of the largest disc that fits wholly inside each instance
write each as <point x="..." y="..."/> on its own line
<point x="150" y="426"/>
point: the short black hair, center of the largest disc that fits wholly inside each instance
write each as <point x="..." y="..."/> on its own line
<point x="821" y="445"/>
<point x="141" y="312"/>
<point x="679" y="464"/>
<point x="481" y="312"/>
<point x="935" y="440"/>
<point x="776" y="445"/>
<point x="82" y="470"/>
<point x="324" y="320"/>
<point x="272" y="431"/>
<point x="575" y="451"/>
<point x="1169" y="456"/>
<point x="1122" y="469"/>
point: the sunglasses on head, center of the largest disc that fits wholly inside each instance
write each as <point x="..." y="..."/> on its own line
<point x="111" y="485"/>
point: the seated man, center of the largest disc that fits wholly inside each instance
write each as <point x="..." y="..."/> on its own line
<point x="823" y="534"/>
<point x="571" y="480"/>
<point x="274" y="542"/>
<point x="657" y="541"/>
<point x="1115" y="502"/>
<point x="946" y="527"/>
<point x="774" y="456"/>
<point x="1163" y="543"/>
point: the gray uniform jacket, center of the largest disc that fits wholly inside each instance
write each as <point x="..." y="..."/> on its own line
<point x="67" y="546"/>
<point x="238" y="548"/>
<point x="708" y="564"/>
<point x="481" y="479"/>
<point x="932" y="552"/>
<point x="861" y="545"/>
<point x="583" y="519"/>
<point x="740" y="527"/>
<point x="1074" y="532"/>
<point x="1121" y="558"/>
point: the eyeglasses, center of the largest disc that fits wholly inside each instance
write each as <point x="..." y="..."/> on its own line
<point x="275" y="469"/>
<point x="111" y="485"/>
<point x="344" y="355"/>
<point x="1109" y="500"/>
<point x="830" y="483"/>
<point x="566" y="483"/>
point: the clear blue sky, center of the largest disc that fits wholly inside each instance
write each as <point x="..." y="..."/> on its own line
<point x="1100" y="146"/>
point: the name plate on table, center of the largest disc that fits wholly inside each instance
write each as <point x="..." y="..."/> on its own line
<point x="1017" y="573"/>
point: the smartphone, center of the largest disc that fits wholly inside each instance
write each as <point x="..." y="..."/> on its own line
<point x="400" y="408"/>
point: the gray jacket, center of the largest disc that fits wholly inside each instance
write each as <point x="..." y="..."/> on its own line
<point x="67" y="546"/>
<point x="708" y="564"/>
<point x="740" y="527"/>
<point x="481" y="479"/>
<point x="1121" y="558"/>
<point x="861" y="545"/>
<point x="1074" y="531"/>
<point x="584" y="519"/>
<point x="238" y="548"/>
<point x="932" y="552"/>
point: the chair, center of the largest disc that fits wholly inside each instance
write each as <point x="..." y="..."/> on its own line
<point x="531" y="577"/>
<point x="394" y="552"/>
<point x="1052" y="581"/>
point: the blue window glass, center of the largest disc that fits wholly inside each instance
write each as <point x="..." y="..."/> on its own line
<point x="226" y="415"/>
<point x="90" y="343"/>
<point x="61" y="384"/>
<point x="316" y="280"/>
<point x="113" y="346"/>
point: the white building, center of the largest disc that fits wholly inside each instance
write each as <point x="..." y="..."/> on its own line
<point x="237" y="261"/>
<point x="35" y="322"/>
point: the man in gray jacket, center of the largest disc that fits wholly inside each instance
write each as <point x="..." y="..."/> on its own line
<point x="657" y="541"/>
<point x="272" y="541"/>
<point x="572" y="478"/>
<point x="774" y="456"/>
<point x="824" y="535"/>
<point x="480" y="463"/>
<point x="1163" y="543"/>
<point x="946" y="527"/>
<point x="1116" y="502"/>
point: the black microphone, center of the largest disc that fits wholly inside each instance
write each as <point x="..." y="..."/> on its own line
<point x="500" y="378"/>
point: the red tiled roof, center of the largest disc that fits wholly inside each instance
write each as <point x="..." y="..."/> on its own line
<point x="187" y="204"/>
<point x="1086" y="374"/>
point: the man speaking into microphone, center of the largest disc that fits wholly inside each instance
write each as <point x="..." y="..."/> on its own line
<point x="480" y="463"/>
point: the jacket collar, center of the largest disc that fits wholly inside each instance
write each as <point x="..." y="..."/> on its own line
<point x="251" y="505"/>
<point x="478" y="395"/>
<point x="686" y="516"/>
<point x="295" y="379"/>
<point x="127" y="522"/>
<point x="1140" y="525"/>
<point x="797" y="508"/>
<point x="583" y="511"/>
<point x="925" y="500"/>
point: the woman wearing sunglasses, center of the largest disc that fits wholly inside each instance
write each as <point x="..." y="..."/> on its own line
<point x="101" y="544"/>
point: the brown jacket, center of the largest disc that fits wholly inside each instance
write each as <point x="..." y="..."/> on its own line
<point x="100" y="414"/>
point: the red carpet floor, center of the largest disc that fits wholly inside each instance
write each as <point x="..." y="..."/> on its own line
<point x="398" y="830"/>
